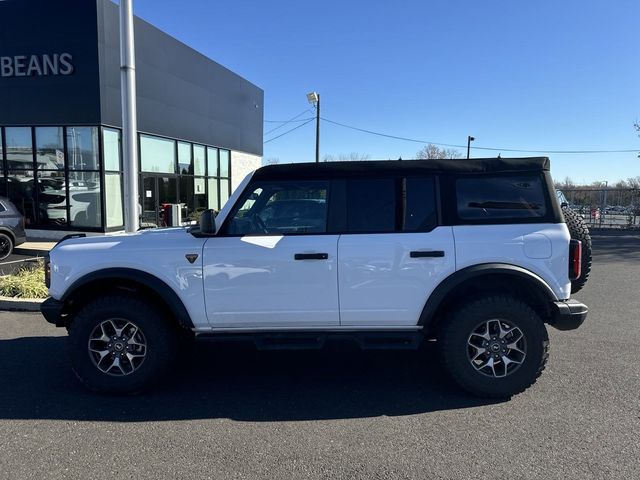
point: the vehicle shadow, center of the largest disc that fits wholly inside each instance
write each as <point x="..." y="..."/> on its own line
<point x="234" y="381"/>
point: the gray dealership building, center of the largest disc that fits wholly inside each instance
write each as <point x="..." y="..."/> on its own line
<point x="200" y="125"/>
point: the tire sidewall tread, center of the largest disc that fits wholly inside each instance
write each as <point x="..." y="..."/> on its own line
<point x="160" y="337"/>
<point x="455" y="331"/>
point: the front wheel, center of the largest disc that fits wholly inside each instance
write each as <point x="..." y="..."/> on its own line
<point x="6" y="246"/>
<point x="120" y="344"/>
<point x="494" y="347"/>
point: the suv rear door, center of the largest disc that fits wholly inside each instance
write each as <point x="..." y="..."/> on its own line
<point x="393" y="253"/>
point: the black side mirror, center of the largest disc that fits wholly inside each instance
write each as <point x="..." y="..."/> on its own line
<point x="208" y="222"/>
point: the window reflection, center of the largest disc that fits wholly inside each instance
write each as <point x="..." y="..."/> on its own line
<point x="82" y="148"/>
<point x="111" y="147"/>
<point x="52" y="199"/>
<point x="84" y="199"/>
<point x="21" y="193"/>
<point x="49" y="148"/>
<point x="157" y="154"/>
<point x="19" y="148"/>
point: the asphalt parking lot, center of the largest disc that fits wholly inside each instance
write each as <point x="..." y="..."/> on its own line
<point x="236" y="413"/>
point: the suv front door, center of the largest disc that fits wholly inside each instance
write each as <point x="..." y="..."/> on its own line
<point x="273" y="263"/>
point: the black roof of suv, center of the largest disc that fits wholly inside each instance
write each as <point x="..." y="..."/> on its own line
<point x="404" y="167"/>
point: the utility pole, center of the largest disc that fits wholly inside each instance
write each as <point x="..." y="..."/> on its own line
<point x="469" y="140"/>
<point x="314" y="99"/>
<point x="129" y="117"/>
<point x="318" y="130"/>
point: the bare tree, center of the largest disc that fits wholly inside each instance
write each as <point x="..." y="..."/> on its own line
<point x="271" y="161"/>
<point x="351" y="157"/>
<point x="432" y="152"/>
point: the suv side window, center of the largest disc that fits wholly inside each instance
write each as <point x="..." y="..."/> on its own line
<point x="420" y="205"/>
<point x="500" y="197"/>
<point x="2" y="208"/>
<point x="384" y="205"/>
<point x="281" y="207"/>
<point x="371" y="205"/>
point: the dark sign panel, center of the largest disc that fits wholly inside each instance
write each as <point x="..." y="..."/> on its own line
<point x="49" y="63"/>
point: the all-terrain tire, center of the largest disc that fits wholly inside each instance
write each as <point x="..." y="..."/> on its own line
<point x="579" y="231"/>
<point x="6" y="246"/>
<point x="455" y="332"/>
<point x="159" y="336"/>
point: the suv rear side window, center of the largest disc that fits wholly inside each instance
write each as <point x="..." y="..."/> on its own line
<point x="500" y="198"/>
<point x="377" y="205"/>
<point x="371" y="205"/>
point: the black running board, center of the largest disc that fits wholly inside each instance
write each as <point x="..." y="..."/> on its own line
<point x="369" y="340"/>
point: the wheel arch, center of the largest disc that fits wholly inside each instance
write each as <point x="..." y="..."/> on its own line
<point x="129" y="280"/>
<point x="9" y="233"/>
<point x="481" y="279"/>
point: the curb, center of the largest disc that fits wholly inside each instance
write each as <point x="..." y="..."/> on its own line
<point x="30" y="251"/>
<point x="20" y="304"/>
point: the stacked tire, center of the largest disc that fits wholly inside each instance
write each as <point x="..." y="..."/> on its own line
<point x="579" y="231"/>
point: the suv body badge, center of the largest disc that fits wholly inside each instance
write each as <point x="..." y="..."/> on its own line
<point x="192" y="257"/>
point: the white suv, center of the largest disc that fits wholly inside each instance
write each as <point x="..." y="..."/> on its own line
<point x="473" y="253"/>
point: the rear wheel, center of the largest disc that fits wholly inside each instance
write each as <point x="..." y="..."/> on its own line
<point x="579" y="231"/>
<point x="494" y="347"/>
<point x="120" y="344"/>
<point x="6" y="246"/>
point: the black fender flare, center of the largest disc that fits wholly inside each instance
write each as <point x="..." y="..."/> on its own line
<point x="537" y="284"/>
<point x="155" y="284"/>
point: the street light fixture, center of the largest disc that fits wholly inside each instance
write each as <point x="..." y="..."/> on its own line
<point x="469" y="140"/>
<point x="314" y="99"/>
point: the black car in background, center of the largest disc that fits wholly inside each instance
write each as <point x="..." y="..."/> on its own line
<point x="11" y="228"/>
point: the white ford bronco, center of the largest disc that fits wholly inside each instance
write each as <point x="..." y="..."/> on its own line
<point x="475" y="254"/>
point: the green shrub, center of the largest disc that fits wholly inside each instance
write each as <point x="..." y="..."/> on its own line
<point x="26" y="282"/>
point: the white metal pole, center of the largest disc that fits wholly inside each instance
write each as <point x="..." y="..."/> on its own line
<point x="129" y="118"/>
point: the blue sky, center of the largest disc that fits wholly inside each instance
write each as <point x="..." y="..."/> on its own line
<point x="543" y="75"/>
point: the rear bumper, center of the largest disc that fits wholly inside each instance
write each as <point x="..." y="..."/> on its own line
<point x="51" y="310"/>
<point x="568" y="314"/>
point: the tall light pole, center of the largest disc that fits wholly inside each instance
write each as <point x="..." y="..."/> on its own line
<point x="469" y="140"/>
<point x="129" y="117"/>
<point x="314" y="99"/>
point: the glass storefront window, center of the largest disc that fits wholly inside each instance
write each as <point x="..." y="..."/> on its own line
<point x="113" y="200"/>
<point x="198" y="160"/>
<point x="199" y="195"/>
<point x="20" y="193"/>
<point x="82" y="148"/>
<point x="52" y="198"/>
<point x="19" y="147"/>
<point x="111" y="148"/>
<point x="224" y="191"/>
<point x="224" y="163"/>
<point x="157" y="154"/>
<point x="49" y="148"/>
<point x="214" y="196"/>
<point x="84" y="199"/>
<point x="184" y="159"/>
<point x="212" y="162"/>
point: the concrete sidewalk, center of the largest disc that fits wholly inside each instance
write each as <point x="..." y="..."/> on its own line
<point x="34" y="248"/>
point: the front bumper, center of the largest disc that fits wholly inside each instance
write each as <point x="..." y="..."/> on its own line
<point x="568" y="314"/>
<point x="51" y="310"/>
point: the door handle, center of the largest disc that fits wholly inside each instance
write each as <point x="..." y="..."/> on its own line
<point x="428" y="254"/>
<point x="311" y="256"/>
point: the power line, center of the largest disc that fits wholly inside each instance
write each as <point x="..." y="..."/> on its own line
<point x="494" y="149"/>
<point x="293" y="119"/>
<point x="282" y="121"/>
<point x="289" y="131"/>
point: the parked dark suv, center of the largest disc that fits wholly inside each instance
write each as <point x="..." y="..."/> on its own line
<point x="11" y="228"/>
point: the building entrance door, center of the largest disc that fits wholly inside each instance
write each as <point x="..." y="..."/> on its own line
<point x="156" y="190"/>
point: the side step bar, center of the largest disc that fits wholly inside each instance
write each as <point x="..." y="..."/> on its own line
<point x="369" y="340"/>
